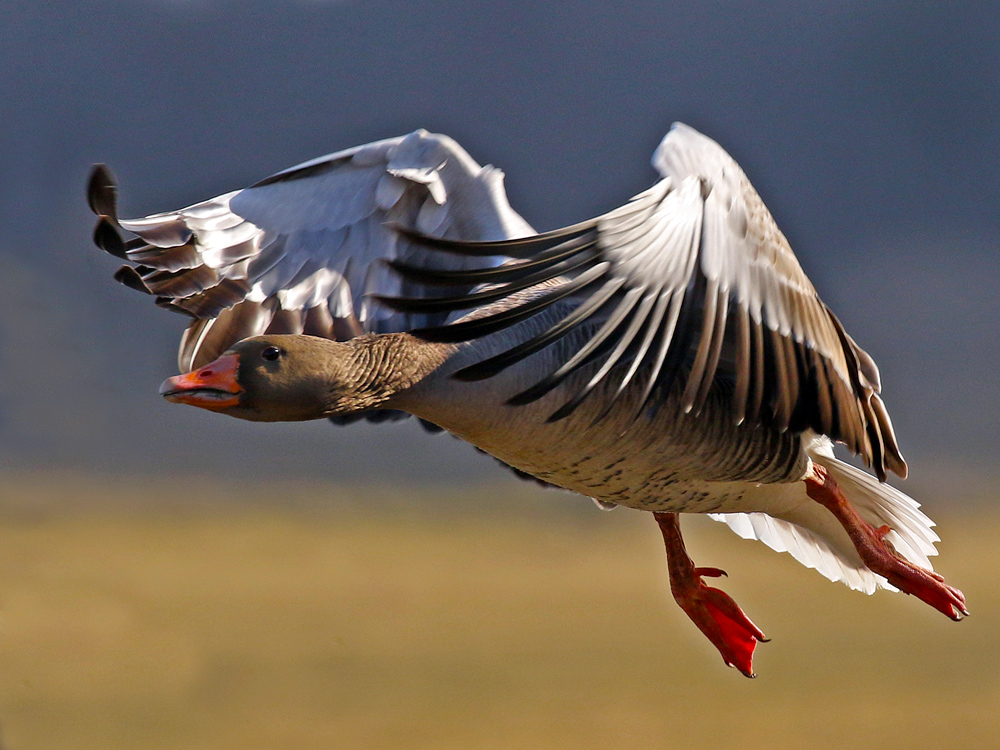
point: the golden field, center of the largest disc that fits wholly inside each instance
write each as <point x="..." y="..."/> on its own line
<point x="197" y="615"/>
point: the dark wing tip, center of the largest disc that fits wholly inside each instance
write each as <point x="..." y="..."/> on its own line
<point x="520" y="247"/>
<point x="102" y="197"/>
<point x="130" y="277"/>
<point x="436" y="243"/>
<point x="106" y="237"/>
<point x="456" y="247"/>
<point x="167" y="303"/>
<point x="479" y="371"/>
<point x="102" y="192"/>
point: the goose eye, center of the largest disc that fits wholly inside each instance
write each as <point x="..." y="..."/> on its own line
<point x="271" y="353"/>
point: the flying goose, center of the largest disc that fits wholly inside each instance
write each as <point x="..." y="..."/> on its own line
<point x="670" y="356"/>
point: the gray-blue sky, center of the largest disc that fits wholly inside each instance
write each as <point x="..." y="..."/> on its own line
<point x="870" y="130"/>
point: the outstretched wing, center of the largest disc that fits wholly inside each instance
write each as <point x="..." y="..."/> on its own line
<point x="690" y="283"/>
<point x="298" y="252"/>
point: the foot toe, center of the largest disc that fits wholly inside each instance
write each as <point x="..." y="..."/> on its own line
<point x="725" y="625"/>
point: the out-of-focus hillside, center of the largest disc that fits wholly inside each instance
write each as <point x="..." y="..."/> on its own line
<point x="869" y="130"/>
<point x="218" y="620"/>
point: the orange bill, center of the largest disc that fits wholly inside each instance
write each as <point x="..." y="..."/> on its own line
<point x="211" y="387"/>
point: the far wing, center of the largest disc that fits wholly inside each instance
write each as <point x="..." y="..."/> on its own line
<point x="690" y="283"/>
<point x="299" y="251"/>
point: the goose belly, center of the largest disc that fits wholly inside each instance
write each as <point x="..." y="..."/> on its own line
<point x="664" y="460"/>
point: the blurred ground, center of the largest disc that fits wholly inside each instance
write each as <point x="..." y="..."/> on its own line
<point x="204" y="617"/>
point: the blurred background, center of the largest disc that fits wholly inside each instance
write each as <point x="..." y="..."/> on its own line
<point x="172" y="578"/>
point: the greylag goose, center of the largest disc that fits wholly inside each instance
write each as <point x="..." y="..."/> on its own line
<point x="670" y="356"/>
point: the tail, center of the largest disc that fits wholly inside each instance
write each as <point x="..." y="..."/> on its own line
<point x="811" y="534"/>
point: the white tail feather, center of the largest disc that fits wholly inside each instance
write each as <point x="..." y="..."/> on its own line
<point x="811" y="548"/>
<point x="880" y="504"/>
<point x="810" y="533"/>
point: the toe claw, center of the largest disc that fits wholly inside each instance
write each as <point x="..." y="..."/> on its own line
<point x="711" y="572"/>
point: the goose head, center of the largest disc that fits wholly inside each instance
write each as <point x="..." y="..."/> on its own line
<point x="291" y="378"/>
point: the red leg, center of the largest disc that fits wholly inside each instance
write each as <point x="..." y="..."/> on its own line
<point x="713" y="611"/>
<point x="878" y="553"/>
